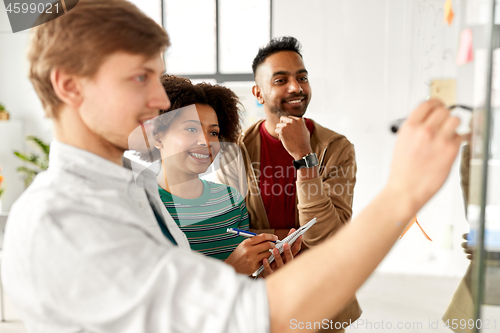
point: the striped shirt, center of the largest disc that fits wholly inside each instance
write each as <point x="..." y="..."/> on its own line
<point x="205" y="220"/>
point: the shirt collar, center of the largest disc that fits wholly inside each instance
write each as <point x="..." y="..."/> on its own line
<point x="86" y="164"/>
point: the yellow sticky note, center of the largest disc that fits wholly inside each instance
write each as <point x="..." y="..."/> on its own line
<point x="448" y="12"/>
<point x="445" y="90"/>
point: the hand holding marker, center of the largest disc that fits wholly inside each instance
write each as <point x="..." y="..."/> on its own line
<point x="397" y="123"/>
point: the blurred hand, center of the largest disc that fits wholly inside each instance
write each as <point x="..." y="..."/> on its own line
<point x="467" y="250"/>
<point x="425" y="150"/>
<point x="248" y="256"/>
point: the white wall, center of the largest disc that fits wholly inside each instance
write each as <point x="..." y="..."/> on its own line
<point x="19" y="98"/>
<point x="370" y="62"/>
<point x="16" y="91"/>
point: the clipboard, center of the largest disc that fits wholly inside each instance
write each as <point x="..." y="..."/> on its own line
<point x="290" y="239"/>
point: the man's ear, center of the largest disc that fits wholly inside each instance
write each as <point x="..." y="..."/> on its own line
<point x="66" y="87"/>
<point x="258" y="94"/>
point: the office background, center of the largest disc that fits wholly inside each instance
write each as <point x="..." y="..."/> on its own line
<point x="370" y="62"/>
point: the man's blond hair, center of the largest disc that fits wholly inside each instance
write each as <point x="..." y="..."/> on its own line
<point x="79" y="41"/>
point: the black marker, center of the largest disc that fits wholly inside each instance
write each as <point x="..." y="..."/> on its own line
<point x="397" y="123"/>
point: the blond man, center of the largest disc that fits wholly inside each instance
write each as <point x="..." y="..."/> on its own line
<point x="83" y="249"/>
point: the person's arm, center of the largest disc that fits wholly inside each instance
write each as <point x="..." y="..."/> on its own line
<point x="328" y="198"/>
<point x="465" y="174"/>
<point x="464" y="184"/>
<point x="327" y="277"/>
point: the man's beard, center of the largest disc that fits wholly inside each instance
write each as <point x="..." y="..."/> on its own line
<point x="278" y="111"/>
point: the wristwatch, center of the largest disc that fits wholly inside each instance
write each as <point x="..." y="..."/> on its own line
<point x="308" y="161"/>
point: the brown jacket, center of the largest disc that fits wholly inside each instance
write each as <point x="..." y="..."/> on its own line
<point x="462" y="303"/>
<point x="328" y="197"/>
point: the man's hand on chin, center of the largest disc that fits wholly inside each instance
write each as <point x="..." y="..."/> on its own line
<point x="294" y="136"/>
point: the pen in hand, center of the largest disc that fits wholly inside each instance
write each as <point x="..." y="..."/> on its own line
<point x="244" y="233"/>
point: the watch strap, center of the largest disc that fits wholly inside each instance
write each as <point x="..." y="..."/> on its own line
<point x="308" y="161"/>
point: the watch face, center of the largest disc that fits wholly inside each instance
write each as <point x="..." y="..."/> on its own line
<point x="311" y="160"/>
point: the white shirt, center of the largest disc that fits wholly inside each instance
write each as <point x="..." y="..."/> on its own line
<point x="83" y="252"/>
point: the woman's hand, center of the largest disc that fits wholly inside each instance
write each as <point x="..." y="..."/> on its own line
<point x="248" y="256"/>
<point x="280" y="260"/>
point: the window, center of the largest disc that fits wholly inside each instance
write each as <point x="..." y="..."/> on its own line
<point x="191" y="25"/>
<point x="152" y="8"/>
<point x="244" y="26"/>
<point x="215" y="41"/>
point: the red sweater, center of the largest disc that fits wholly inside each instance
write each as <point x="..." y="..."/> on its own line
<point x="277" y="180"/>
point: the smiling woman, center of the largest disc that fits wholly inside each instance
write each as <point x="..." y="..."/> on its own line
<point x="187" y="138"/>
<point x="188" y="142"/>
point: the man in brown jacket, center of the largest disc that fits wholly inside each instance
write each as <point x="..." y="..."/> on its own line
<point x="295" y="168"/>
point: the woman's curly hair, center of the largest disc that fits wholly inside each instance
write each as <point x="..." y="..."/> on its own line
<point x="182" y="92"/>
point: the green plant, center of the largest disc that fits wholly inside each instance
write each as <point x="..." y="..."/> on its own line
<point x="2" y="108"/>
<point x="37" y="162"/>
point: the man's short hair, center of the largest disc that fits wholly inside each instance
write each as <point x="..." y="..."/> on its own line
<point x="79" y="42"/>
<point x="277" y="44"/>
